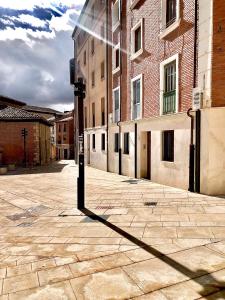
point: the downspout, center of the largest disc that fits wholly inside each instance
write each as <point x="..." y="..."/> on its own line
<point x="107" y="84"/>
<point x="135" y="150"/>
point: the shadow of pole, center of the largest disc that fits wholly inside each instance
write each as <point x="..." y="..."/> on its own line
<point x="194" y="275"/>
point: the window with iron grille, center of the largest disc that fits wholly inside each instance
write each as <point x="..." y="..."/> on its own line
<point x="103" y="111"/>
<point x="116" y="99"/>
<point x="103" y="142"/>
<point x="103" y="70"/>
<point x="137" y="39"/>
<point x="136" y="98"/>
<point x="171" y="12"/>
<point x="93" y="141"/>
<point x="116" y="142"/>
<point x="168" y="145"/>
<point x="170" y="83"/>
<point x="93" y="114"/>
<point x="126" y="143"/>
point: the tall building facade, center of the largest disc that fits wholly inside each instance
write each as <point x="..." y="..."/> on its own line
<point x="92" y="61"/>
<point x="165" y="56"/>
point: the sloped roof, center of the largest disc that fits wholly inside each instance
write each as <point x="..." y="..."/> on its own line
<point x="42" y="110"/>
<point x="10" y="101"/>
<point x="17" y="114"/>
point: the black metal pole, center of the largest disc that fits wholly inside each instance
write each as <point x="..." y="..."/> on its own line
<point x="135" y="150"/>
<point x="80" y="117"/>
<point x="198" y="149"/>
<point x="191" y="156"/>
<point x="24" y="145"/>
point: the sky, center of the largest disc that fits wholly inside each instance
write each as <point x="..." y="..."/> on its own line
<point x="35" y="48"/>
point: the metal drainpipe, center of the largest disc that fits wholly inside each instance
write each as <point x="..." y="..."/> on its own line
<point x="107" y="83"/>
<point x="120" y="149"/>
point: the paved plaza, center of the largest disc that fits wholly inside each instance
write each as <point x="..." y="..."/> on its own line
<point x="135" y="239"/>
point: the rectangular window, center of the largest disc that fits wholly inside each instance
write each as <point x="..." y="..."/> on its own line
<point x="169" y="95"/>
<point x="93" y="141"/>
<point x="85" y="57"/>
<point x="116" y="105"/>
<point x="103" y="70"/>
<point x="116" y="14"/>
<point x="126" y="143"/>
<point x="93" y="78"/>
<point x="93" y="114"/>
<point x="136" y="97"/>
<point x="64" y="128"/>
<point x="103" y="142"/>
<point x="168" y="145"/>
<point x="116" y="142"/>
<point x="85" y="117"/>
<point x="102" y="32"/>
<point x="171" y="12"/>
<point x="103" y="111"/>
<point x="59" y="128"/>
<point x="117" y="58"/>
<point x="137" y="40"/>
<point x="92" y="46"/>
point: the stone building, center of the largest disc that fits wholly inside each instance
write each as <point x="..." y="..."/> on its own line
<point x="65" y="136"/>
<point x="164" y="55"/>
<point x="37" y="145"/>
<point x="92" y="57"/>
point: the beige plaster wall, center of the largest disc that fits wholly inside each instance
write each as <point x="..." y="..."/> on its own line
<point x="213" y="151"/>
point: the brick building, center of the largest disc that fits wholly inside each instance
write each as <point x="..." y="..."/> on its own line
<point x="93" y="59"/>
<point x="65" y="136"/>
<point x="163" y="53"/>
<point x="37" y="148"/>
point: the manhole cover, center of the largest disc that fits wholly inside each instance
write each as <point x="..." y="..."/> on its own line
<point x="94" y="218"/>
<point x="150" y="203"/>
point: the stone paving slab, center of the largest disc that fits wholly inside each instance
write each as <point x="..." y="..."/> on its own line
<point x="144" y="241"/>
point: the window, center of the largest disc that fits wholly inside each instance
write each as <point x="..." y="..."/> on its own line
<point x="64" y="128"/>
<point x="116" y="58"/>
<point x="169" y="85"/>
<point x="93" y="12"/>
<point x="171" y="12"/>
<point x="103" y="70"/>
<point x="126" y="143"/>
<point x="168" y="145"/>
<point x="136" y="97"/>
<point x="59" y="128"/>
<point x="85" y="58"/>
<point x="93" y="114"/>
<point x="85" y="117"/>
<point x="116" y="142"/>
<point x="102" y="32"/>
<point x="116" y="105"/>
<point x="59" y="139"/>
<point x="92" y="78"/>
<point x="103" y="111"/>
<point x="103" y="142"/>
<point x="92" y="46"/>
<point x="116" y="15"/>
<point x="93" y="141"/>
<point x="137" y="40"/>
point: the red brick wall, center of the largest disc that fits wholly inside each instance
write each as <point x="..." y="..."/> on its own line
<point x="68" y="134"/>
<point x="218" y="60"/>
<point x="156" y="50"/>
<point x="12" y="142"/>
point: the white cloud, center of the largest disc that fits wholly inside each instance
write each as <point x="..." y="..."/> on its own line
<point x="28" y="19"/>
<point x="29" y="4"/>
<point x="65" y="22"/>
<point x="62" y="107"/>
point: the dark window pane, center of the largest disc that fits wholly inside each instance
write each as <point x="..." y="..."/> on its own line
<point x="171" y="12"/>
<point x="137" y="38"/>
<point x="93" y="141"/>
<point x="168" y="145"/>
<point x="116" y="142"/>
<point x="103" y="141"/>
<point x="126" y="143"/>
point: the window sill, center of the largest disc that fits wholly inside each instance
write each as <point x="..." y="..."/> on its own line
<point x="170" y="29"/>
<point x="134" y="3"/>
<point x="116" y="70"/>
<point x="136" y="54"/>
<point x="116" y="26"/>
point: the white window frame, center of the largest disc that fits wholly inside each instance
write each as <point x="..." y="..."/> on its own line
<point x="134" y="54"/>
<point x="115" y="70"/>
<point x="165" y="31"/>
<point x="114" y="90"/>
<point x="162" y="79"/>
<point x="116" y="25"/>
<point x="133" y="3"/>
<point x="140" y="76"/>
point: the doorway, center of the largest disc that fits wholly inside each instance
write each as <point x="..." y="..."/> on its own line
<point x="145" y="161"/>
<point x="148" y="155"/>
<point x="88" y="149"/>
<point x="65" y="153"/>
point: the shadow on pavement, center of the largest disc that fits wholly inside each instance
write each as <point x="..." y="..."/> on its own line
<point x="51" y="168"/>
<point x="197" y="276"/>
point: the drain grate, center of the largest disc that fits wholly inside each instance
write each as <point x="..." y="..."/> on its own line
<point x="150" y="203"/>
<point x="104" y="207"/>
<point x="92" y="218"/>
<point x="25" y="225"/>
<point x="131" y="181"/>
